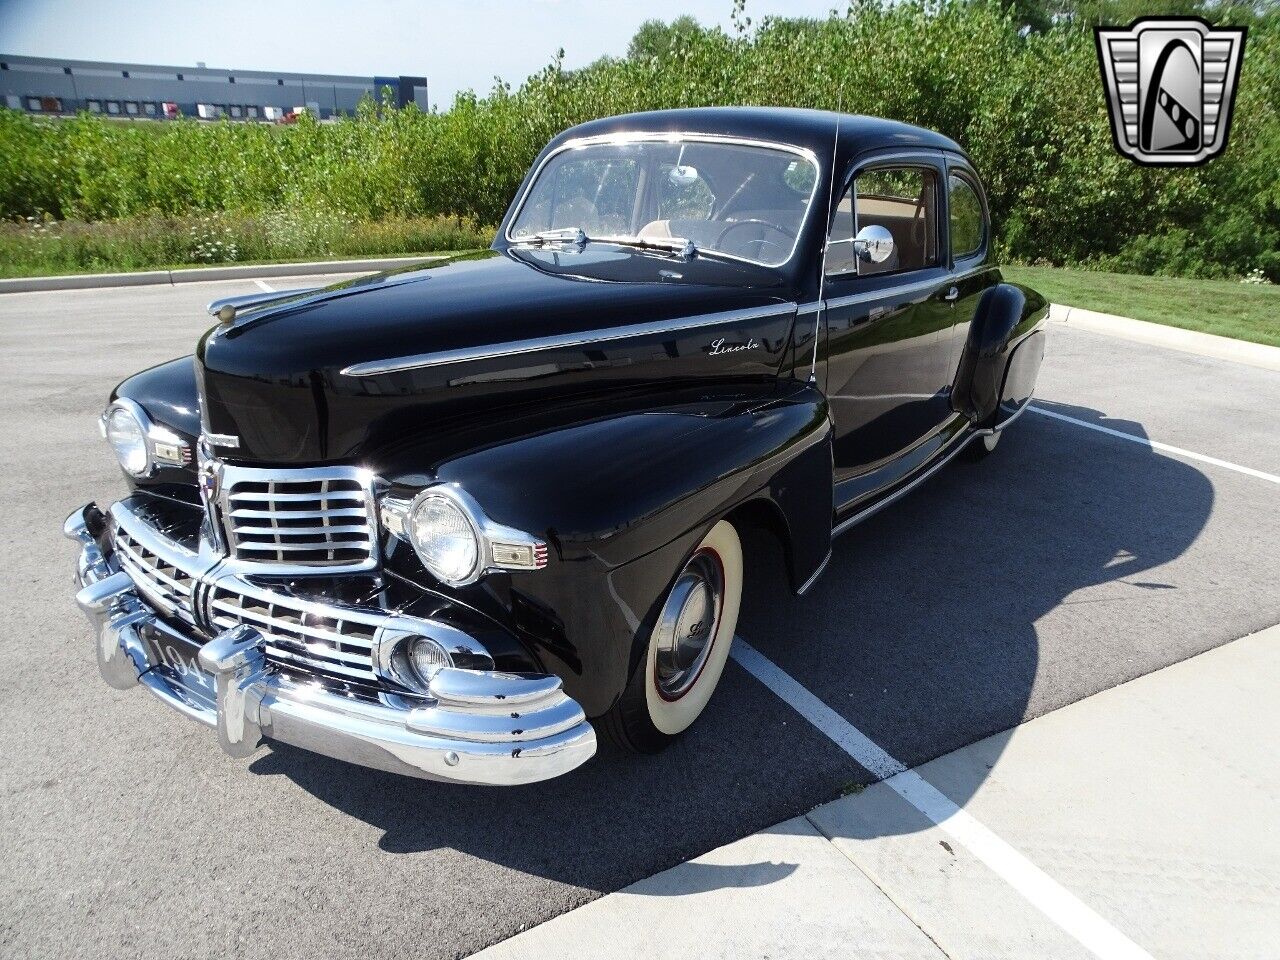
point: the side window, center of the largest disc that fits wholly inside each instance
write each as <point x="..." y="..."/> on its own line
<point x="903" y="200"/>
<point x="968" y="228"/>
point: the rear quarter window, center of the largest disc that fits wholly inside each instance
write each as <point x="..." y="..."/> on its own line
<point x="968" y="225"/>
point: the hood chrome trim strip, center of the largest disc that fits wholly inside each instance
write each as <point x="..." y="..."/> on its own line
<point x="586" y="338"/>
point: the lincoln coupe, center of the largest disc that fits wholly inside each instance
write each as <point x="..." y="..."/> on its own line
<point x="457" y="520"/>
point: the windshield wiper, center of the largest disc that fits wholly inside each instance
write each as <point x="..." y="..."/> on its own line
<point x="680" y="246"/>
<point x="575" y="235"/>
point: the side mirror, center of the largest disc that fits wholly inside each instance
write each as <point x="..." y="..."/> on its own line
<point x="873" y="244"/>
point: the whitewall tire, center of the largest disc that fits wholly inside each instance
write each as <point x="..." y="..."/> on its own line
<point x="687" y="648"/>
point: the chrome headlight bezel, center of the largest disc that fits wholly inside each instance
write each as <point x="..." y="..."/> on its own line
<point x="393" y="654"/>
<point x="454" y="504"/>
<point x="498" y="547"/>
<point x="141" y="422"/>
<point x="160" y="445"/>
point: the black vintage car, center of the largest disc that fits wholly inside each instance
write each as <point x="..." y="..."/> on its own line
<point x="433" y="520"/>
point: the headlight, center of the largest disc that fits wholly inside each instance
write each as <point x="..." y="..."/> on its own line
<point x="445" y="538"/>
<point x="404" y="654"/>
<point x="454" y="539"/>
<point x="427" y="658"/>
<point x="126" y="431"/>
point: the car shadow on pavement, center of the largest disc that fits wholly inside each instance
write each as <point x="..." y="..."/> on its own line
<point x="984" y="598"/>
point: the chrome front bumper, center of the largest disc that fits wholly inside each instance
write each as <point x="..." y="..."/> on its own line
<point x="477" y="727"/>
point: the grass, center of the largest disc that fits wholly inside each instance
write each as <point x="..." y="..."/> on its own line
<point x="35" y="248"/>
<point x="1246" y="311"/>
<point x="6" y="272"/>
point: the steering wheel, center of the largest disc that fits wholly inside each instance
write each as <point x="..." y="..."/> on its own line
<point x="788" y="235"/>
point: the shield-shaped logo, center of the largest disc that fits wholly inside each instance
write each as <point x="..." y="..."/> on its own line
<point x="1171" y="84"/>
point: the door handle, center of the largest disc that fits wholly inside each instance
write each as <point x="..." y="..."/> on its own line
<point x="952" y="295"/>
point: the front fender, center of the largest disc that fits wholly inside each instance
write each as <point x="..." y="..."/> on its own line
<point x="168" y="393"/>
<point x="623" y="500"/>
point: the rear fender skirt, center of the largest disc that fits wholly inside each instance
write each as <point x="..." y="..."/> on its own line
<point x="1005" y="314"/>
<point x="1020" y="376"/>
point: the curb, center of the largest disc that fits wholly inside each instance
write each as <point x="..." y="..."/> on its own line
<point x="87" y="281"/>
<point x="1173" y="338"/>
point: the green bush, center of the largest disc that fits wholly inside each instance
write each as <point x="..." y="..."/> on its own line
<point x="1030" y="109"/>
<point x="38" y="247"/>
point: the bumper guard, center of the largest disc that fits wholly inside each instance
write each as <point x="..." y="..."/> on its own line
<point x="477" y="727"/>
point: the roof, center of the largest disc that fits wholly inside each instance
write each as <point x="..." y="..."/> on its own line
<point x="814" y="129"/>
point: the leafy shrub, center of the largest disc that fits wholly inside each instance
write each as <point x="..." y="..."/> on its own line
<point x="35" y="246"/>
<point x="1029" y="108"/>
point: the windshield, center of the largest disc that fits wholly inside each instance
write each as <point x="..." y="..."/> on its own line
<point x="742" y="201"/>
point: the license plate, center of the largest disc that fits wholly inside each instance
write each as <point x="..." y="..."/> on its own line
<point x="177" y="656"/>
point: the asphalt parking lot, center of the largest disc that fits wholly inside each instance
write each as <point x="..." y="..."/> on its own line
<point x="1067" y="563"/>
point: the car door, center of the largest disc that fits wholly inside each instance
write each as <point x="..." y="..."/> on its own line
<point x="888" y="324"/>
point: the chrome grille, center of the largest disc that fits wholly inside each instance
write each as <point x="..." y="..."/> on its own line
<point x="333" y="640"/>
<point x="166" y="585"/>
<point x="328" y="639"/>
<point x="318" y="517"/>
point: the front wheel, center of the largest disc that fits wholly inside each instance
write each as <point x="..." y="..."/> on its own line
<point x="687" y="648"/>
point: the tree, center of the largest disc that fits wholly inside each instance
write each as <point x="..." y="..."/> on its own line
<point x="661" y="40"/>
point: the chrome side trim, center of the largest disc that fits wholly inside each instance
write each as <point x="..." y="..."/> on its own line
<point x="910" y="289"/>
<point x="564" y="341"/>
<point x="650" y="136"/>
<point x="1008" y="420"/>
<point x="956" y="447"/>
<point x="822" y="568"/>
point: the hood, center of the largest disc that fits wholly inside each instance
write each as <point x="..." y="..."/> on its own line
<point x="506" y="336"/>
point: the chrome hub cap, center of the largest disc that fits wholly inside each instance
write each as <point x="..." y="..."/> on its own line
<point x="688" y="623"/>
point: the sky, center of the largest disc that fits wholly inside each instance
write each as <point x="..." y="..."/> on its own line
<point x="455" y="44"/>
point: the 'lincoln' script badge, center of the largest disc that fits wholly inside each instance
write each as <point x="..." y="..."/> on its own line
<point x="1171" y="84"/>
<point x="723" y="346"/>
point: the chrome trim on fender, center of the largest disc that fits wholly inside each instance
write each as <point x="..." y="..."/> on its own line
<point x="987" y="431"/>
<point x="587" y="338"/>
<point x="822" y="568"/>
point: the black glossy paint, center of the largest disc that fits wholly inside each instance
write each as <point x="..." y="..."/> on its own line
<point x="622" y="452"/>
<point x="274" y="377"/>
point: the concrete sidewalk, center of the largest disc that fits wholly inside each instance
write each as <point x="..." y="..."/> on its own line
<point x="1171" y="338"/>
<point x="1154" y="805"/>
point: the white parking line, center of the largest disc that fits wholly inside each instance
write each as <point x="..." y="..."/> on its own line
<point x="265" y="286"/>
<point x="1037" y="887"/>
<point x="1152" y="444"/>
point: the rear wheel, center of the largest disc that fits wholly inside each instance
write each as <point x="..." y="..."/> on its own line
<point x="687" y="648"/>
